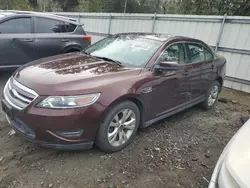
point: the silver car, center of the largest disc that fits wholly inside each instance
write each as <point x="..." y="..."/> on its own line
<point x="233" y="167"/>
<point x="27" y="36"/>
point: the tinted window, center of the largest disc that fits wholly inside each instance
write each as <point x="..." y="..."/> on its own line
<point x="174" y="53"/>
<point x="208" y="55"/>
<point x="130" y="50"/>
<point x="196" y="52"/>
<point x="18" y="25"/>
<point x="44" y="25"/>
<point x="68" y="27"/>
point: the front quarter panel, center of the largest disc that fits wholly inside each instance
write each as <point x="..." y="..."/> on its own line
<point x="121" y="90"/>
<point x="128" y="89"/>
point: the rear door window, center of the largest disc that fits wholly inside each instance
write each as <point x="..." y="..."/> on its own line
<point x="196" y="53"/>
<point x="208" y="55"/>
<point x="16" y="25"/>
<point x="68" y="27"/>
<point x="44" y="25"/>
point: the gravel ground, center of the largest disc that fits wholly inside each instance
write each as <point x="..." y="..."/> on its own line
<point x="180" y="151"/>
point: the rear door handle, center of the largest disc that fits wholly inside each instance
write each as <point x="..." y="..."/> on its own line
<point x="65" y="40"/>
<point x="28" y="40"/>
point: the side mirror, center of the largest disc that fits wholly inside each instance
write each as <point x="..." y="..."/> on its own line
<point x="167" y="65"/>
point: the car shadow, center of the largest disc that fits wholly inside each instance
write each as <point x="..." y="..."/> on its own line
<point x="173" y="118"/>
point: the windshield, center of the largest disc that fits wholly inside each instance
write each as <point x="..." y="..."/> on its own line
<point x="130" y="51"/>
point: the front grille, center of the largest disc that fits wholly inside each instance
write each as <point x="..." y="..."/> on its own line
<point x="18" y="95"/>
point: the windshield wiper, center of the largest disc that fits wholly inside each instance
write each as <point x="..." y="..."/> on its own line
<point x="108" y="59"/>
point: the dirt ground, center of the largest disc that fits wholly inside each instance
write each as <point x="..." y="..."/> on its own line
<point x="180" y="151"/>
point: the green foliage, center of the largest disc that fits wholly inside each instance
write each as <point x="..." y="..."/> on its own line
<point x="15" y="5"/>
<point x="68" y="5"/>
<point x="200" y="7"/>
<point x="210" y="7"/>
<point x="90" y="6"/>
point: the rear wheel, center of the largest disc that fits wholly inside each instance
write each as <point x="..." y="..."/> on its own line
<point x="212" y="96"/>
<point x="119" y="127"/>
<point x="72" y="50"/>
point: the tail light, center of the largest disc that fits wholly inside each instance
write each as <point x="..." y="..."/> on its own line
<point x="87" y="37"/>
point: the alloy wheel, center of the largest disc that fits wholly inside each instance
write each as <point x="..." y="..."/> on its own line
<point x="121" y="127"/>
<point x="213" y="95"/>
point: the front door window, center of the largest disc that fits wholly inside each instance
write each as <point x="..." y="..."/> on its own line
<point x="16" y="26"/>
<point x="174" y="53"/>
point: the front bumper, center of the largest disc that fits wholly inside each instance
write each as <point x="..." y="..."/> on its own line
<point x="42" y="126"/>
<point x="31" y="137"/>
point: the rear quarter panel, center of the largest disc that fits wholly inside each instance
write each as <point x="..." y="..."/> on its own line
<point x="221" y="66"/>
<point x="77" y="38"/>
<point x="75" y="41"/>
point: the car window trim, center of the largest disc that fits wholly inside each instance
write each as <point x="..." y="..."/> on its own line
<point x="57" y="18"/>
<point x="191" y="42"/>
<point x="14" y="17"/>
<point x="32" y="25"/>
<point x="167" y="46"/>
<point x="18" y="17"/>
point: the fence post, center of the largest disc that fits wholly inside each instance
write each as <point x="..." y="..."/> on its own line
<point x="109" y="27"/>
<point x="220" y="32"/>
<point x="79" y="18"/>
<point x="153" y="24"/>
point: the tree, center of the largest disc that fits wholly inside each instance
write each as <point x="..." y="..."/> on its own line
<point x="68" y="5"/>
<point x="91" y="5"/>
<point x="15" y="5"/>
<point x="199" y="7"/>
<point x="33" y="3"/>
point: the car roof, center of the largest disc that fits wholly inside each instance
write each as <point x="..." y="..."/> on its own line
<point x="156" y="36"/>
<point x="11" y="13"/>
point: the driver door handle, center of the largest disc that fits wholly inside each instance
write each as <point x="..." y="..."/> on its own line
<point x="65" y="40"/>
<point x="28" y="40"/>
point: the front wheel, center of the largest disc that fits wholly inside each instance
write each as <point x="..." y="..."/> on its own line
<point x="119" y="127"/>
<point x="212" y="96"/>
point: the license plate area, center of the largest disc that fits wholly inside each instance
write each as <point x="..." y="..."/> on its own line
<point x="7" y="109"/>
<point x="15" y="122"/>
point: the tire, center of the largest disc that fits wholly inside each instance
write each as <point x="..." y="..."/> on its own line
<point x="112" y="123"/>
<point x="72" y="50"/>
<point x="206" y="104"/>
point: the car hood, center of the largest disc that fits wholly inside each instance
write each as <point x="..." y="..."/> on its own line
<point x="238" y="156"/>
<point x="64" y="74"/>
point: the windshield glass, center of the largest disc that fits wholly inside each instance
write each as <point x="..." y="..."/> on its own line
<point x="130" y="51"/>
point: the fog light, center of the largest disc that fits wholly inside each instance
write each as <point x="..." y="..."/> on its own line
<point x="70" y="134"/>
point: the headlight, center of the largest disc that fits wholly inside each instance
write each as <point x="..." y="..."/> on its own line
<point x="62" y="102"/>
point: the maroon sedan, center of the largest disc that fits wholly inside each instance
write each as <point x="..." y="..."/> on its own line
<point x="105" y="93"/>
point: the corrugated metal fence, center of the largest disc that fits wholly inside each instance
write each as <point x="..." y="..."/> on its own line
<point x="229" y="35"/>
